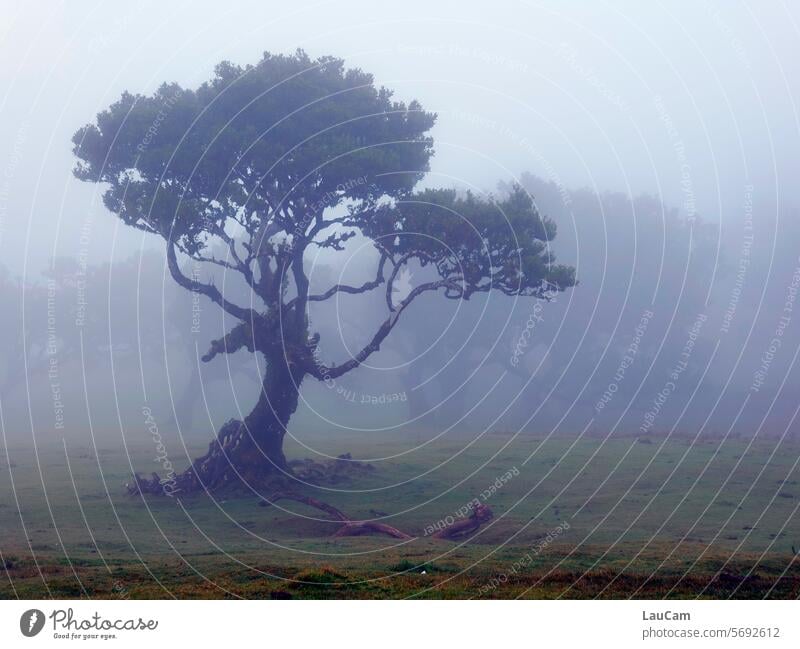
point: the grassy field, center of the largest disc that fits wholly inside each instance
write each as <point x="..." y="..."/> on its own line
<point x="576" y="518"/>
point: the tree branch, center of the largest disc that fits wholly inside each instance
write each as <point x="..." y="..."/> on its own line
<point x="353" y="290"/>
<point x="323" y="373"/>
<point x="480" y="515"/>
<point x="450" y="281"/>
<point x="209" y="290"/>
<point x="240" y="336"/>
<point x="349" y="527"/>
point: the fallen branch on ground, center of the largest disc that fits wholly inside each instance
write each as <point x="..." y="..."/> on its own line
<point x="351" y="527"/>
<point x="480" y="514"/>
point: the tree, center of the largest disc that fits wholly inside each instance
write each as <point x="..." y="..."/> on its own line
<point x="273" y="160"/>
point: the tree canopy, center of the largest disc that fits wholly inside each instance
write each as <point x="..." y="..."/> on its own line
<point x="268" y="161"/>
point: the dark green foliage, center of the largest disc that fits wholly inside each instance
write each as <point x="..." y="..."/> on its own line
<point x="271" y="147"/>
<point x="287" y="134"/>
<point x="266" y="161"/>
<point x="478" y="245"/>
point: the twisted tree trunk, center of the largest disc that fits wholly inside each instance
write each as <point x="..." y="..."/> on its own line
<point x="245" y="453"/>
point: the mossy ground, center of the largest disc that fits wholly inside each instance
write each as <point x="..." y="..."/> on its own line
<point x="683" y="520"/>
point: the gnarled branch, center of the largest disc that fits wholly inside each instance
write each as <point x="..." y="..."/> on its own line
<point x="324" y="373"/>
<point x="350" y="527"/>
<point x="209" y="290"/>
<point x="353" y="290"/>
<point x="240" y="336"/>
<point x="480" y="514"/>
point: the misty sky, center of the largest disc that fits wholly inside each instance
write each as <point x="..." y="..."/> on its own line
<point x="642" y="381"/>
<point x="693" y="101"/>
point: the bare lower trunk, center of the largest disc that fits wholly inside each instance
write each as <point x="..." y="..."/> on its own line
<point x="248" y="453"/>
<point x="265" y="426"/>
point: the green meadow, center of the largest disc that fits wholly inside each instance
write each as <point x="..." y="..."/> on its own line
<point x="573" y="518"/>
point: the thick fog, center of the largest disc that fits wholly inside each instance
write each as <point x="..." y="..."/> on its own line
<point x="662" y="139"/>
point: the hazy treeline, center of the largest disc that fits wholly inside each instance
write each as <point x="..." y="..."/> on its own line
<point x="663" y="332"/>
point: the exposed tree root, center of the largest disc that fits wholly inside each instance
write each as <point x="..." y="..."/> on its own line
<point x="232" y="460"/>
<point x="335" y="514"/>
<point x="350" y="527"/>
<point x="340" y="469"/>
<point x="480" y="514"/>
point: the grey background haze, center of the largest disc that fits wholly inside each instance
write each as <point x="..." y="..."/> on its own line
<point x="565" y="90"/>
<point x="655" y="134"/>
